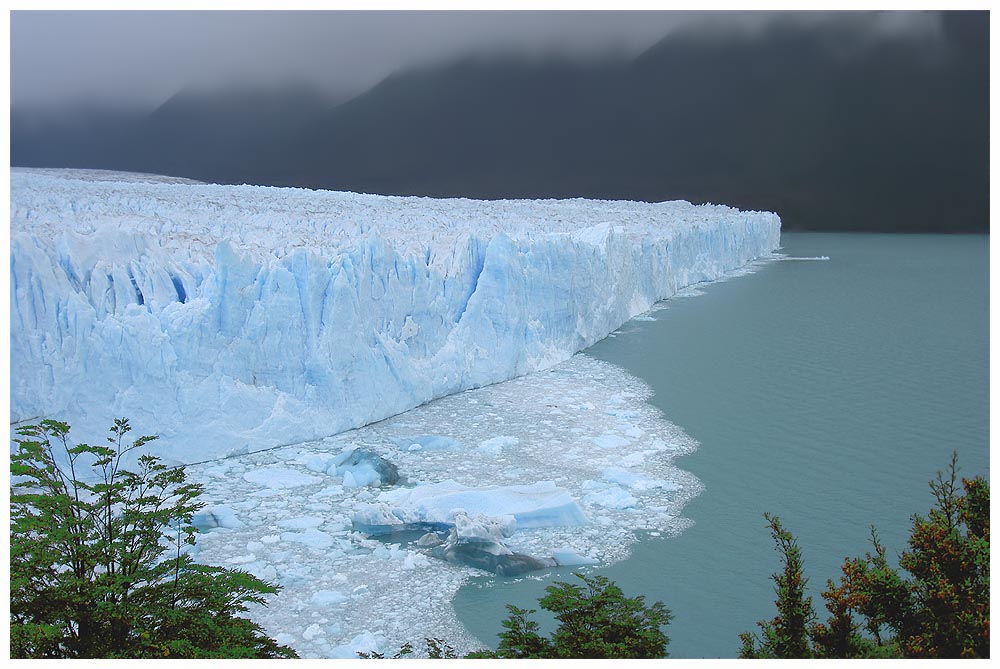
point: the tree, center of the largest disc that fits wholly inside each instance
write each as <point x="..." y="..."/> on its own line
<point x="97" y="563"/>
<point x="786" y="635"/>
<point x="939" y="610"/>
<point x="596" y="620"/>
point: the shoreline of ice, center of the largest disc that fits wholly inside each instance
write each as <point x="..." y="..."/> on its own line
<point x="584" y="425"/>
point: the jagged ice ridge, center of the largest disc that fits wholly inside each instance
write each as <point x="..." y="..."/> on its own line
<point x="230" y="319"/>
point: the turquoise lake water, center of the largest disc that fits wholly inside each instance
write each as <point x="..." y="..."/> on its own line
<point x="826" y="392"/>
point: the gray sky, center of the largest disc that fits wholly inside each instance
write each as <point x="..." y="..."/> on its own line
<point x="143" y="57"/>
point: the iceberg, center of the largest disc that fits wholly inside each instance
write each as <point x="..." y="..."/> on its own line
<point x="541" y="504"/>
<point x="232" y="319"/>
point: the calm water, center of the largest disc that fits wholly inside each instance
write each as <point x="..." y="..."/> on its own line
<point x="826" y="392"/>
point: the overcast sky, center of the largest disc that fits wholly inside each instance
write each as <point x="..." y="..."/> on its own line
<point x="142" y="58"/>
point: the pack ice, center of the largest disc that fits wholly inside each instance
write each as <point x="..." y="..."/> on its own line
<point x="231" y="319"/>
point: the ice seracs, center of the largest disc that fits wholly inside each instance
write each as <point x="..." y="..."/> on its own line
<point x="228" y="319"/>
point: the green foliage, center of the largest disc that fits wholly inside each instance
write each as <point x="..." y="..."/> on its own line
<point x="940" y="610"/>
<point x="596" y="620"/>
<point x="436" y="649"/>
<point x="785" y="636"/>
<point x="97" y="567"/>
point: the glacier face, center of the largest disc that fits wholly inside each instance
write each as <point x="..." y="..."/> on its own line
<point x="235" y="318"/>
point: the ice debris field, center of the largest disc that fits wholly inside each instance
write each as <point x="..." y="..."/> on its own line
<point x="274" y="338"/>
<point x="564" y="466"/>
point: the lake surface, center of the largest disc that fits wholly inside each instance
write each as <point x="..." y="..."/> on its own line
<point x="826" y="392"/>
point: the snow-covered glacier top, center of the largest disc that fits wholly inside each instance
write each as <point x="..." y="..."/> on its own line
<point x="231" y="318"/>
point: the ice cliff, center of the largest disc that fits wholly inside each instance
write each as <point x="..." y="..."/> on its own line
<point x="236" y="318"/>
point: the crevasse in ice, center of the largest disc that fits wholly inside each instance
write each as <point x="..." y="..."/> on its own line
<point x="234" y="318"/>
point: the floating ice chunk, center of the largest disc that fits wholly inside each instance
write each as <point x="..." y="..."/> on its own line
<point x="361" y="467"/>
<point x="414" y="561"/>
<point x="312" y="632"/>
<point x="567" y="557"/>
<point x="328" y="598"/>
<point x="376" y="518"/>
<point x="268" y="492"/>
<point x="493" y="529"/>
<point x="478" y="541"/>
<point x="428" y="442"/>
<point x="312" y="538"/>
<point x="284" y="638"/>
<point x="292" y="576"/>
<point x="632" y="432"/>
<point x="495" y="445"/>
<point x="634" y="459"/>
<point x="262" y="570"/>
<point x="608" y="496"/>
<point x="242" y="559"/>
<point x="300" y="523"/>
<point x="211" y="517"/>
<point x="488" y="557"/>
<point x="610" y="440"/>
<point x="541" y="504"/>
<point x="219" y="472"/>
<point x="318" y="463"/>
<point x="635" y="480"/>
<point x="277" y="478"/>
<point x="366" y="642"/>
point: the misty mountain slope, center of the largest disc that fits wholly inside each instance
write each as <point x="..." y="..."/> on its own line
<point x="210" y="136"/>
<point x="217" y="136"/>
<point x="476" y="129"/>
<point x="824" y="124"/>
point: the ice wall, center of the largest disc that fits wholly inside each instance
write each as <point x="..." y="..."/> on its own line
<point x="233" y="318"/>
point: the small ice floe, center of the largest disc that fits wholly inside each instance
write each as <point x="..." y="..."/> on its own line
<point x="361" y="467"/>
<point x="800" y="258"/>
<point x="496" y="445"/>
<point x="635" y="480"/>
<point x="567" y="557"/>
<point x="428" y="442"/>
<point x="301" y="523"/>
<point x="366" y="642"/>
<point x="541" y="504"/>
<point x="478" y="541"/>
<point x="277" y="478"/>
<point x="328" y="598"/>
<point x="312" y="538"/>
<point x="609" y="496"/>
<point x="610" y="440"/>
<point x="212" y="517"/>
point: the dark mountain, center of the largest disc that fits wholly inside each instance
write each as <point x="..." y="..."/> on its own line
<point x="830" y="131"/>
<point x="210" y="136"/>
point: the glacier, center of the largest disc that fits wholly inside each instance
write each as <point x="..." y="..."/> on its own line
<point x="232" y="319"/>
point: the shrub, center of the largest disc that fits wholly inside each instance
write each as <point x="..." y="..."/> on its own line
<point x="596" y="620"/>
<point x="97" y="567"/>
<point x="940" y="610"/>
